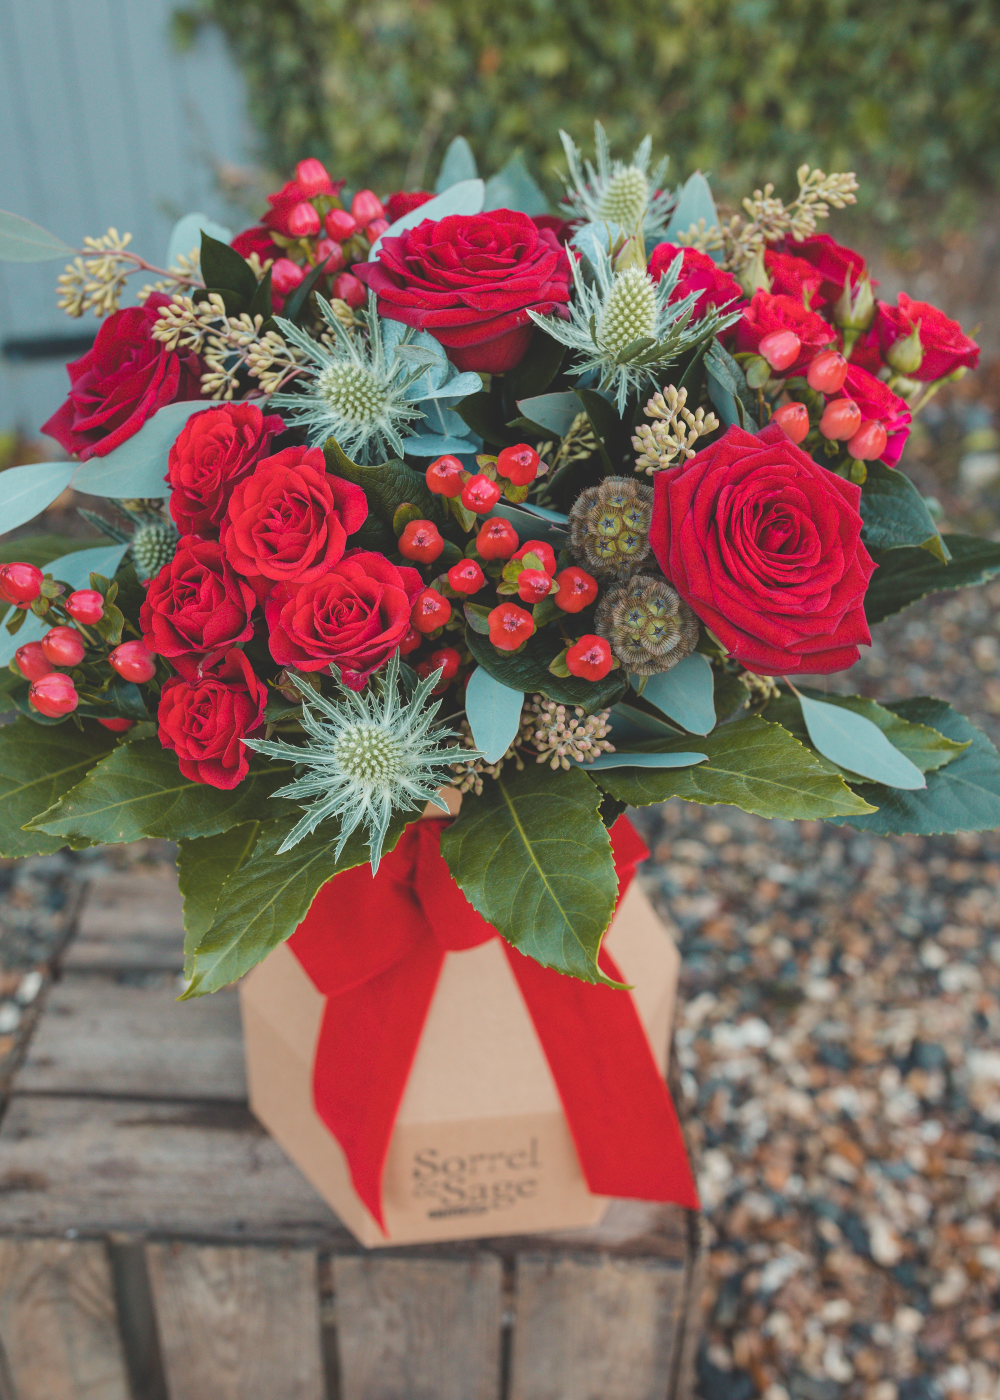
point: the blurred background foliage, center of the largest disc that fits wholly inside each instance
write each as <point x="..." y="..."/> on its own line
<point x="905" y="91"/>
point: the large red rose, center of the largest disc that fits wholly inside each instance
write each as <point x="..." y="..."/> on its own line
<point x="794" y="277"/>
<point x="470" y="280"/>
<point x="946" y="347"/>
<point x="206" y="719"/>
<point x="765" y="545"/>
<point x="289" y="522"/>
<point x="122" y="380"/>
<point x="212" y="454"/>
<point x="767" y="313"/>
<point x="878" y="404"/>
<point x="835" y="263"/>
<point x="196" y="607"/>
<point x="354" y="617"/>
<point x="698" y="274"/>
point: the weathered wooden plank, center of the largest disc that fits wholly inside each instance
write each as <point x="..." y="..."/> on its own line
<point x="130" y="921"/>
<point x="418" y="1329"/>
<point x="691" y="1331"/>
<point x="595" y="1327"/>
<point x="237" y="1324"/>
<point x="57" y="1321"/>
<point x="100" y="1037"/>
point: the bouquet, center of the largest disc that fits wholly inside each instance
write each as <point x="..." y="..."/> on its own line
<point x="565" y="512"/>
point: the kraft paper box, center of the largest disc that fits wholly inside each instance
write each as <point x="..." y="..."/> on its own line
<point x="481" y="1145"/>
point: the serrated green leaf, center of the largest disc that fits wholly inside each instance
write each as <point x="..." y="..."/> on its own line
<point x="893" y="510"/>
<point x="923" y="746"/>
<point x="203" y="866"/>
<point x="527" y="670"/>
<point x="38" y="764"/>
<point x="533" y="857"/>
<point x="387" y="486"/>
<point x="905" y="575"/>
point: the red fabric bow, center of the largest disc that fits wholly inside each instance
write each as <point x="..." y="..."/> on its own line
<point x="375" y="948"/>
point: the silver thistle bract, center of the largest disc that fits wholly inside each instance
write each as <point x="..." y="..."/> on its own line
<point x="616" y="192"/>
<point x="371" y="754"/>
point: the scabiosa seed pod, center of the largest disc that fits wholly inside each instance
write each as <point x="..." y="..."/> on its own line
<point x="153" y="546"/>
<point x="650" y="629"/>
<point x="609" y="527"/>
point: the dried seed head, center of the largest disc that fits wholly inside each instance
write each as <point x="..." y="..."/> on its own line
<point x="650" y="629"/>
<point x="609" y="527"/>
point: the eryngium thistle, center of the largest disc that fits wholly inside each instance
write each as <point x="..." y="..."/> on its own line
<point x="650" y="629"/>
<point x="152" y="547"/>
<point x="372" y="754"/>
<point x="609" y="527"/>
<point x="615" y="192"/>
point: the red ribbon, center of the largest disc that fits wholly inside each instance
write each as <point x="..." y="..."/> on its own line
<point x="375" y="948"/>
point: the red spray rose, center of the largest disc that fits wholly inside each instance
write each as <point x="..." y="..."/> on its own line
<point x="698" y="274"/>
<point x="470" y="280"/>
<point x="289" y="522"/>
<point x="206" y="719"/>
<point x="354" y="617"/>
<point x="835" y="263"/>
<point x="765" y="545"/>
<point x="562" y="228"/>
<point x="878" y="404"/>
<point x="794" y="277"/>
<point x="196" y="607"/>
<point x="946" y="347"/>
<point x="122" y="380"/>
<point x="768" y="313"/>
<point x="256" y="240"/>
<point x="404" y="202"/>
<point x="866" y="351"/>
<point x="213" y="453"/>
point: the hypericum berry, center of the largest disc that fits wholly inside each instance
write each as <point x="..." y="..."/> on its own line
<point x="303" y="221"/>
<point x="20" y="584"/>
<point x="780" y="349"/>
<point x="444" y="476"/>
<point x="841" y="420"/>
<point x="794" y="418"/>
<point x="541" y="551"/>
<point x="519" y="464"/>
<point x="312" y="178"/>
<point x="410" y="642"/>
<point x="466" y="577"/>
<point x="376" y="228"/>
<point x="32" y="661"/>
<point x="340" y="225"/>
<point x="85" y="605"/>
<point x="134" y="662"/>
<point x="510" y="626"/>
<point x="869" y="442"/>
<point x="116" y="724"/>
<point x="53" y="695"/>
<point x="286" y="276"/>
<point x="366" y="206"/>
<point x="577" y="589"/>
<point x="421" y="541"/>
<point x="533" y="585"/>
<point x="827" y="372"/>
<point x="63" y="646"/>
<point x="447" y="660"/>
<point x="480" y="494"/>
<point x="430" y="611"/>
<point x="347" y="288"/>
<point x="497" y="539"/>
<point x="329" y="251"/>
<point x="590" y="658"/>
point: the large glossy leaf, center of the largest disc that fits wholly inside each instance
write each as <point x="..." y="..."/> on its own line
<point x="895" y="513"/>
<point x="528" y="671"/>
<point x="751" y="764"/>
<point x="38" y="764"/>
<point x="203" y="866"/>
<point x="138" y="467"/>
<point x="73" y="569"/>
<point x="534" y="858"/>
<point x="185" y="236"/>
<point x="853" y="742"/>
<point x="459" y="164"/>
<point x="26" y="491"/>
<point x="905" y="575"/>
<point x="539" y="367"/>
<point x="685" y="693"/>
<point x="224" y="269"/>
<point x="465" y="197"/>
<point x="695" y="203"/>
<point x="925" y="747"/>
<point x="23" y="241"/>
<point x="494" y="713"/>
<point x="388" y="485"/>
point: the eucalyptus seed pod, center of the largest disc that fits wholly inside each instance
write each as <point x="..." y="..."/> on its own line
<point x="153" y="546"/>
<point x="609" y="527"/>
<point x="650" y="629"/>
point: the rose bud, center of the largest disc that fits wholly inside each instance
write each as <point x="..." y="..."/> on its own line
<point x="466" y="577"/>
<point x="376" y="228"/>
<point x="590" y="658"/>
<point x="421" y="541"/>
<point x="869" y="442"/>
<point x="509" y="626"/>
<point x="134" y="662"/>
<point x="541" y="551"/>
<point x="347" y="288"/>
<point x="20" y="584"/>
<point x="854" y="309"/>
<point x="366" y="206"/>
<point x="841" y="420"/>
<point x="53" y="695"/>
<point x="32" y="661"/>
<point x="85" y="605"/>
<point x="480" y="494"/>
<point x="410" y="641"/>
<point x="577" y="589"/>
<point x="906" y="355"/>
<point x="519" y="464"/>
<point x="303" y="221"/>
<point x="63" y="646"/>
<point x="447" y="661"/>
<point x="312" y="178"/>
<point x="794" y="418"/>
<point x="116" y="724"/>
<point x="780" y="349"/>
<point x="328" y="250"/>
<point x="286" y="276"/>
<point x="497" y="539"/>
<point x="340" y="225"/>
<point x="430" y="610"/>
<point x="533" y="585"/>
<point x="827" y="373"/>
<point x="444" y="476"/>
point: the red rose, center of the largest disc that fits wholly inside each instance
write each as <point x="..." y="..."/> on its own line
<point x="767" y="313"/>
<point x="354" y="617"/>
<point x="284" y="201"/>
<point x="794" y="277"/>
<point x="562" y="228"/>
<point x="698" y="274"/>
<point x="205" y="720"/>
<point x="212" y="454"/>
<point x="878" y="404"/>
<point x="256" y="240"/>
<point x="946" y="347"/>
<point x="289" y="522"/>
<point x="121" y="382"/>
<point x="835" y="263"/>
<point x="866" y="352"/>
<point x="765" y="545"/>
<point x="404" y="202"/>
<point x="196" y="607"/>
<point x="470" y="280"/>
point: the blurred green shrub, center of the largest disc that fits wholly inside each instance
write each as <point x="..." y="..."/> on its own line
<point x="906" y="91"/>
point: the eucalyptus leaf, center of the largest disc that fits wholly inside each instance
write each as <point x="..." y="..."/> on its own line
<point x="695" y="203"/>
<point x="74" y="570"/>
<point x="494" y="714"/>
<point x="38" y="764"/>
<point x="535" y="522"/>
<point x="203" y="866"/>
<point x="553" y="412"/>
<point x="727" y="388"/>
<point x="644" y="760"/>
<point x="436" y="445"/>
<point x="853" y="742"/>
<point x="24" y="242"/>
<point x="904" y="576"/>
<point x="514" y="187"/>
<point x="459" y="164"/>
<point x="26" y="491"/>
<point x="465" y="197"/>
<point x="185" y="236"/>
<point x="138" y="468"/>
<point x="685" y="693"/>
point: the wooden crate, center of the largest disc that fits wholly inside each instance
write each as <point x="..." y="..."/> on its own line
<point x="155" y="1242"/>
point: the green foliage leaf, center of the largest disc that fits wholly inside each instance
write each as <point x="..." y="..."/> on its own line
<point x="483" y="413"/>
<point x="38" y="764"/>
<point x="695" y="203"/>
<point x="24" y="242"/>
<point x="534" y="858"/>
<point x="295" y="307"/>
<point x="222" y="268"/>
<point x="203" y="866"/>
<point x="26" y="491"/>
<point x="536" y="371"/>
<point x="853" y="742"/>
<point x="605" y="422"/>
<point x="388" y="486"/>
<point x="894" y="512"/>
<point x="685" y="693"/>
<point x="727" y="388"/>
<point x="527" y="670"/>
<point x="553" y="413"/>
<point x="905" y="575"/>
